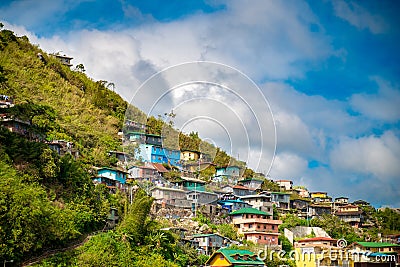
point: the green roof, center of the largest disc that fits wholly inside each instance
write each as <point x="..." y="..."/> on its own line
<point x="229" y="255"/>
<point x="377" y="244"/>
<point x="249" y="211"/>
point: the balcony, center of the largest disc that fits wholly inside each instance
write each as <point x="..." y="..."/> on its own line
<point x="256" y="220"/>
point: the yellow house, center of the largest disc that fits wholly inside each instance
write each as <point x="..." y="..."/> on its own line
<point x="234" y="257"/>
<point x="382" y="252"/>
<point x="319" y="195"/>
<point x="189" y="155"/>
<point x="348" y="208"/>
<point x="319" y="251"/>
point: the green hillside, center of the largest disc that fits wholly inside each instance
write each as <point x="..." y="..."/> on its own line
<point x="85" y="112"/>
<point x="48" y="201"/>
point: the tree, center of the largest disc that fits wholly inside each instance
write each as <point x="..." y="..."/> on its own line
<point x="41" y="116"/>
<point x="80" y="68"/>
<point x="136" y="224"/>
<point x="336" y="228"/>
<point x="248" y="173"/>
<point x="269" y="185"/>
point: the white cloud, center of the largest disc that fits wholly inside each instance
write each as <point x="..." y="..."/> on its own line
<point x="288" y="166"/>
<point x="293" y="134"/>
<point x="371" y="155"/>
<point x="358" y="16"/>
<point x="34" y="13"/>
<point x="265" y="40"/>
<point x="383" y="106"/>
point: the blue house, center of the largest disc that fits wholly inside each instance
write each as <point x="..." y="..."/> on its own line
<point x="144" y="138"/>
<point x="144" y="153"/>
<point x="111" y="177"/>
<point x="233" y="204"/>
<point x="137" y="137"/>
<point x="192" y="184"/>
<point x="173" y="156"/>
<point x="230" y="172"/>
<point x="157" y="154"/>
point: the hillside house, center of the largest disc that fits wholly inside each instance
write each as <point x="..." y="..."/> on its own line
<point x="387" y="252"/>
<point x="251" y="183"/>
<point x="64" y="59"/>
<point x="134" y="126"/>
<point x="143" y="152"/>
<point x="232" y="171"/>
<point x="320" y="197"/>
<point x="202" y="197"/>
<point x="315" y="210"/>
<point x="6" y="101"/>
<point x="135" y="137"/>
<point x="302" y="192"/>
<point x="191" y="169"/>
<point x="301" y="205"/>
<point x="261" y="202"/>
<point x="281" y="200"/>
<point x="159" y="168"/>
<point x="233" y="204"/>
<point x="190" y="155"/>
<point x="313" y="252"/>
<point x="122" y="157"/>
<point x="341" y="201"/>
<point x="143" y="172"/>
<point x="351" y="214"/>
<point x="316" y="241"/>
<point x="234" y="258"/>
<point x="285" y="185"/>
<point x="157" y="154"/>
<point x="113" y="178"/>
<point x="153" y="139"/>
<point x="256" y="226"/>
<point x="192" y="184"/>
<point x="172" y="157"/>
<point x="240" y="191"/>
<point x="165" y="195"/>
<point x="208" y="243"/>
<point x="63" y="147"/>
<point x="21" y="127"/>
<point x="147" y="174"/>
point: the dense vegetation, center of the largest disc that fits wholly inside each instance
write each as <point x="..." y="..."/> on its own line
<point x="48" y="201"/>
<point x="137" y="241"/>
<point x="45" y="201"/>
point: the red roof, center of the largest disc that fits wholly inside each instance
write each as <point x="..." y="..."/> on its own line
<point x="315" y="239"/>
<point x="241" y="187"/>
<point x="159" y="167"/>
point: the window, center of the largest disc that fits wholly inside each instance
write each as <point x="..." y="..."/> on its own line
<point x="273" y="227"/>
<point x="265" y="227"/>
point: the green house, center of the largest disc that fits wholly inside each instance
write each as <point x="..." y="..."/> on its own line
<point x="234" y="257"/>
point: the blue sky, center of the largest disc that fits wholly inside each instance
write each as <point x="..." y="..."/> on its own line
<point x="329" y="70"/>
